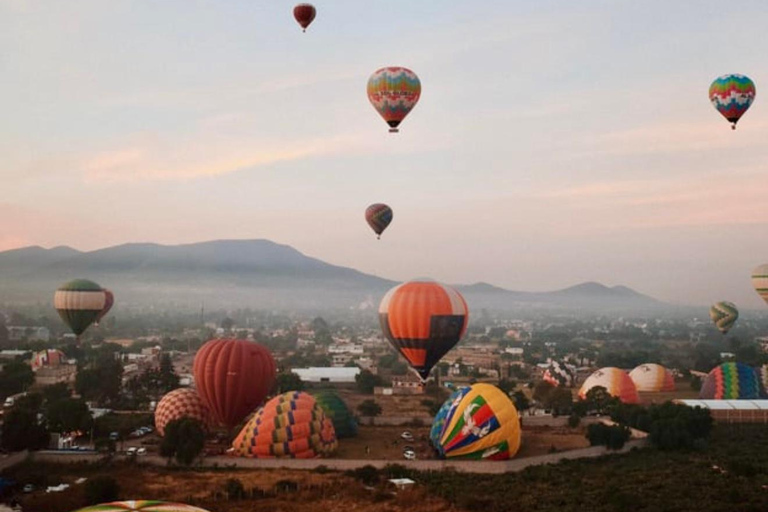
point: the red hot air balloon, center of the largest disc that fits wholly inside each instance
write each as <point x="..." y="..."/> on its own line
<point x="233" y="377"/>
<point x="423" y="320"/>
<point x="304" y="14"/>
<point x="378" y="216"/>
<point x="108" y="303"/>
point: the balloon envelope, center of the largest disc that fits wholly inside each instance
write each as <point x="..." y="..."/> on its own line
<point x="79" y="303"/>
<point x="615" y="381"/>
<point x="731" y="381"/>
<point x="732" y="95"/>
<point x="233" y="377"/>
<point x="559" y="374"/>
<point x="653" y="378"/>
<point x="50" y="357"/>
<point x="378" y="216"/>
<point x="141" y="505"/>
<point x="481" y="423"/>
<point x="423" y="320"/>
<point x="291" y="425"/>
<point x="760" y="281"/>
<point x="181" y="403"/>
<point x="304" y="15"/>
<point x="437" y="423"/>
<point x="108" y="303"/>
<point x="393" y="92"/>
<point x="344" y="422"/>
<point x="724" y="315"/>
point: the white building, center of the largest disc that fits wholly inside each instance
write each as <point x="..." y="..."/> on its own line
<point x="346" y="348"/>
<point x="326" y="374"/>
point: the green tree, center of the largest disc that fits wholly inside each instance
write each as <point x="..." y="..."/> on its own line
<point x="287" y="381"/>
<point x="102" y="383"/>
<point x="521" y="401"/>
<point x="234" y="489"/>
<point x="507" y="385"/>
<point x="21" y="428"/>
<point x="56" y="392"/>
<point x="101" y="489"/>
<point x="68" y="415"/>
<point x="369" y="408"/>
<point x="16" y="377"/>
<point x="184" y="439"/>
<point x="366" y="381"/>
<point x="598" y="400"/>
<point x="227" y="323"/>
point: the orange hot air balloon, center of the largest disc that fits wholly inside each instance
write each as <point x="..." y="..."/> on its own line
<point x="423" y="320"/>
<point x="108" y="303"/>
<point x="181" y="403"/>
<point x="305" y="15"/>
<point x="233" y="377"/>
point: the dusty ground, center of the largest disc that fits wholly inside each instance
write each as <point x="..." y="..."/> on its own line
<point x="403" y="405"/>
<point x="683" y="392"/>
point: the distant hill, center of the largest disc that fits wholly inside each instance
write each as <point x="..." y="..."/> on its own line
<point x="252" y="273"/>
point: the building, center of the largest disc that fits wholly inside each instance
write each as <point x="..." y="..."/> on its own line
<point x="344" y="375"/>
<point x="733" y="411"/>
<point x="49" y="375"/>
<point x="407" y="385"/>
<point x="18" y="333"/>
<point x="340" y="359"/>
<point x="354" y="349"/>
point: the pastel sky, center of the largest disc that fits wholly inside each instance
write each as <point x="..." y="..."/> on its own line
<point x="555" y="141"/>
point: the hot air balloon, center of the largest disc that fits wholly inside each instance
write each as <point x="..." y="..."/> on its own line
<point x="141" y="506"/>
<point x="181" y="403"/>
<point x="50" y="357"/>
<point x="304" y="14"/>
<point x="652" y="378"/>
<point x="79" y="303"/>
<point x="437" y="423"/>
<point x="393" y="92"/>
<point x="731" y="381"/>
<point x="233" y="377"/>
<point x="481" y="423"/>
<point x="378" y="216"/>
<point x="423" y="320"/>
<point x="762" y="375"/>
<point x="559" y="374"/>
<point x="109" y="302"/>
<point x="344" y="422"/>
<point x="616" y="382"/>
<point x="760" y="281"/>
<point x="732" y="96"/>
<point x="290" y="425"/>
<point x="724" y="315"/>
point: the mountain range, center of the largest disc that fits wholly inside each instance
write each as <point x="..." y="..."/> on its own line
<point x="255" y="274"/>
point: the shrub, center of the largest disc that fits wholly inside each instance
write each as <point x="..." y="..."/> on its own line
<point x="101" y="489"/>
<point x="574" y="420"/>
<point x="611" y="436"/>
<point x="234" y="489"/>
<point x="369" y="475"/>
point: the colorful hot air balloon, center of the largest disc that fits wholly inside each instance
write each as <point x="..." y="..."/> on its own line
<point x="760" y="281"/>
<point x="181" y="403"/>
<point x="559" y="374"/>
<point x="437" y="424"/>
<point x="732" y="96"/>
<point x="50" y="357"/>
<point x="731" y="381"/>
<point x="233" y="377"/>
<point x="724" y="315"/>
<point x="762" y="375"/>
<point x="378" y="216"/>
<point x="344" y="422"/>
<point x="290" y="425"/>
<point x="304" y="14"/>
<point x="393" y="92"/>
<point x="141" y="506"/>
<point x="79" y="303"/>
<point x="615" y="381"/>
<point x="481" y="423"/>
<point x="109" y="302"/>
<point x="652" y="378"/>
<point x="423" y="320"/>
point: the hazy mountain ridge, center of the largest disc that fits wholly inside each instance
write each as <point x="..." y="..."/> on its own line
<point x="253" y="273"/>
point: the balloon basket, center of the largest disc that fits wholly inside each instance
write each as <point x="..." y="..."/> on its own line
<point x="394" y="130"/>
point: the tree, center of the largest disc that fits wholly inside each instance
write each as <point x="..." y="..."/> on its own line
<point x="21" y="428"/>
<point x="101" y="489"/>
<point x="227" y="323"/>
<point x="3" y="334"/>
<point x="69" y="415"/>
<point x="560" y="400"/>
<point x="234" y="489"/>
<point x="184" y="439"/>
<point x="612" y="436"/>
<point x="369" y="408"/>
<point x="506" y="385"/>
<point x="521" y="401"/>
<point x="542" y="390"/>
<point x="366" y="381"/>
<point x="598" y="400"/>
<point x="56" y="392"/>
<point x="16" y="377"/>
<point x="101" y="383"/>
<point x="287" y="381"/>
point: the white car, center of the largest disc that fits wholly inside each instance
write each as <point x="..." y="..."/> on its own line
<point x="141" y="451"/>
<point x="407" y="436"/>
<point x="131" y="451"/>
<point x="409" y="455"/>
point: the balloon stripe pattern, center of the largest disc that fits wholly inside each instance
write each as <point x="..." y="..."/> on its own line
<point x="393" y="92"/>
<point x="378" y="216"/>
<point x="731" y="381"/>
<point x="109" y="301"/>
<point x="732" y="95"/>
<point x="423" y="321"/>
<point x="79" y="303"/>
<point x="615" y="381"/>
<point x="181" y="403"/>
<point x="442" y="414"/>
<point x="344" y="422"/>
<point x="141" y="506"/>
<point x="760" y="281"/>
<point x="558" y="374"/>
<point x="233" y="377"/>
<point x="304" y="15"/>
<point x="724" y="315"/>
<point x="50" y="357"/>
<point x="652" y="378"/>
<point x="762" y="373"/>
<point x="481" y="423"/>
<point x="291" y="425"/>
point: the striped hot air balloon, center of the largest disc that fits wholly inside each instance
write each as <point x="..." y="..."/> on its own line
<point x="481" y="423"/>
<point x="760" y="281"/>
<point x="291" y="425"/>
<point x="652" y="378"/>
<point x="724" y="314"/>
<point x="437" y="423"/>
<point x="615" y="381"/>
<point x="344" y="422"/>
<point x="108" y="303"/>
<point x="49" y="357"/>
<point x="141" y="506"/>
<point x="181" y="403"/>
<point x="423" y="320"/>
<point x="558" y="374"/>
<point x="378" y="216"/>
<point x="79" y="304"/>
<point x="393" y="92"/>
<point x="731" y="381"/>
<point x="732" y="95"/>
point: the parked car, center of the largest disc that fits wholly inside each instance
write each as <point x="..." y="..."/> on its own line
<point x="29" y="488"/>
<point x="141" y="451"/>
<point x="407" y="436"/>
<point x="114" y="436"/>
<point x="131" y="451"/>
<point x="409" y="455"/>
